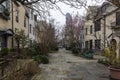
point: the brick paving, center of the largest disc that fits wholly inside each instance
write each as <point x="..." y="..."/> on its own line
<point x="65" y="66"/>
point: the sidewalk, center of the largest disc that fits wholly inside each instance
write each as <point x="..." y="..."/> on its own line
<point x="65" y="66"/>
<point x="99" y="57"/>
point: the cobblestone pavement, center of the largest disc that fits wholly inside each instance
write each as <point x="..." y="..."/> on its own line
<point x="65" y="66"/>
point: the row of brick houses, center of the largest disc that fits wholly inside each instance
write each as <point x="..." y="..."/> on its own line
<point x="14" y="15"/>
<point x="102" y="26"/>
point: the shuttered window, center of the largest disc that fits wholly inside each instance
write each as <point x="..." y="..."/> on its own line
<point x="91" y="29"/>
<point x="118" y="18"/>
<point x="91" y="44"/>
<point x="97" y="25"/>
<point x="97" y="44"/>
<point x="86" y="44"/>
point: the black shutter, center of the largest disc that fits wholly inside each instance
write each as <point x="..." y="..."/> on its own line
<point x="97" y="44"/>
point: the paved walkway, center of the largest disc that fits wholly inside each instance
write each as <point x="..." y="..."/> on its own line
<point x="65" y="66"/>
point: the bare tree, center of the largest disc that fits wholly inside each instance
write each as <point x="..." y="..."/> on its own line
<point x="73" y="29"/>
<point x="46" y="36"/>
<point x="42" y="7"/>
<point x="52" y="4"/>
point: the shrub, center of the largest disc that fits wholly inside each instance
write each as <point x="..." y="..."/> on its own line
<point x="103" y="61"/>
<point x="41" y="59"/>
<point x="75" y="50"/>
<point x="116" y="63"/>
<point x="31" y="68"/>
<point x="54" y="49"/>
<point x="24" y="72"/>
<point x="68" y="48"/>
<point x="4" y="51"/>
<point x="36" y="48"/>
<point x="37" y="58"/>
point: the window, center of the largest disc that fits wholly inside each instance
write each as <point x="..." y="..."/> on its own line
<point x="25" y="21"/>
<point x="33" y="31"/>
<point x="86" y="44"/>
<point x="91" y="44"/>
<point x="2" y="8"/>
<point x="4" y="3"/>
<point x="0" y="41"/>
<point x="91" y="29"/>
<point x="32" y="14"/>
<point x="86" y="31"/>
<point x="118" y="18"/>
<point x="103" y="8"/>
<point x="17" y="16"/>
<point x="97" y="44"/>
<point x="8" y="4"/>
<point x="30" y="27"/>
<point x="97" y="25"/>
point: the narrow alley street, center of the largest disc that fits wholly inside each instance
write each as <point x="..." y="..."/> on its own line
<point x="66" y="66"/>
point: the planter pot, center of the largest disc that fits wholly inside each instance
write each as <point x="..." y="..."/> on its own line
<point x="114" y="73"/>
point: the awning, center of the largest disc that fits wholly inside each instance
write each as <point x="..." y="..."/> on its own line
<point x="8" y="32"/>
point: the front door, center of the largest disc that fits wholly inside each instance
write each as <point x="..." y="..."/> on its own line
<point x="4" y="41"/>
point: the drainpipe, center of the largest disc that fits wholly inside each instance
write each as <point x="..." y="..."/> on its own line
<point x="12" y="23"/>
<point x="104" y="30"/>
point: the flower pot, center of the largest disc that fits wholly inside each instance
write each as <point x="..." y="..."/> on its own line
<point x="114" y="73"/>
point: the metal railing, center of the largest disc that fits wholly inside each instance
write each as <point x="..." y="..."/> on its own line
<point x="2" y="65"/>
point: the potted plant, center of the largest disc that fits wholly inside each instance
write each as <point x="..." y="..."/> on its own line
<point x="114" y="61"/>
<point x="115" y="69"/>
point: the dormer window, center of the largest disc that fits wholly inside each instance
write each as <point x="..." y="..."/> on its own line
<point x="5" y="9"/>
<point x="6" y="4"/>
<point x="103" y="8"/>
<point x="2" y="8"/>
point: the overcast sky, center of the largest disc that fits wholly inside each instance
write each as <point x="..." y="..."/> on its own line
<point x="59" y="18"/>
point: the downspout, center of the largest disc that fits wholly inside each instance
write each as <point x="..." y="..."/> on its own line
<point x="12" y="23"/>
<point x="104" y="30"/>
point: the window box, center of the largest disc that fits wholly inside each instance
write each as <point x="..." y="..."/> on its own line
<point x="6" y="12"/>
